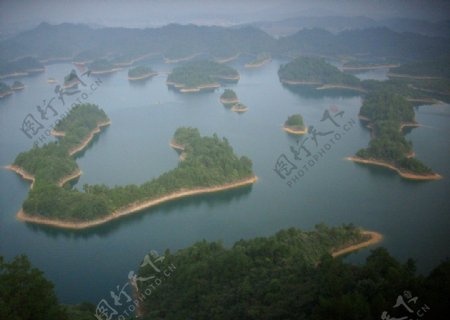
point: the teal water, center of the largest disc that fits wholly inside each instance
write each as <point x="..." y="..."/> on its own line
<point x="86" y="265"/>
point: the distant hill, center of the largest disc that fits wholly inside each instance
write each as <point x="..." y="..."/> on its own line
<point x="174" y="42"/>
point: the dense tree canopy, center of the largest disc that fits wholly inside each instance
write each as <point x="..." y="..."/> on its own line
<point x="295" y="120"/>
<point x="315" y="70"/>
<point x="202" y="72"/>
<point x="290" y="275"/>
<point x="139" y="71"/>
<point x="25" y="294"/>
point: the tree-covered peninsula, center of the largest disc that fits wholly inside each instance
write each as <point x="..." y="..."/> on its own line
<point x="140" y="73"/>
<point x="387" y="114"/>
<point x="260" y="60"/>
<point x="17" y="85"/>
<point x="5" y="90"/>
<point x="239" y="107"/>
<point x="71" y="80"/>
<point x="210" y="165"/>
<point x="201" y="75"/>
<point x="102" y="66"/>
<point x="295" y="125"/>
<point x="229" y="97"/>
<point x="316" y="72"/>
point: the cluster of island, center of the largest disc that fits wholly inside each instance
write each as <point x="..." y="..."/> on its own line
<point x="230" y="100"/>
<point x="209" y="165"/>
<point x="6" y="90"/>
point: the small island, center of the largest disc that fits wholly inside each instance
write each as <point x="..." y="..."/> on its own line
<point x="17" y="86"/>
<point x="21" y="67"/>
<point x="386" y="114"/>
<point x="71" y="81"/>
<point x="209" y="165"/>
<point x="228" y="98"/>
<point x="202" y="75"/>
<point x="102" y="66"/>
<point x="51" y="80"/>
<point x="239" y="108"/>
<point x="140" y="73"/>
<point x="5" y="90"/>
<point x="315" y="72"/>
<point x="295" y="125"/>
<point x="261" y="59"/>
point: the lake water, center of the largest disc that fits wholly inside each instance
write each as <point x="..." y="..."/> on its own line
<point x="86" y="265"/>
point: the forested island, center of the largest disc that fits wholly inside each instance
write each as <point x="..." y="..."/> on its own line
<point x="17" y="86"/>
<point x="201" y="75"/>
<point x="71" y="80"/>
<point x="239" y="108"/>
<point x="317" y="73"/>
<point x="140" y="73"/>
<point x="102" y="66"/>
<point x="229" y="98"/>
<point x="5" y="90"/>
<point x="295" y="125"/>
<point x="436" y="68"/>
<point x="20" y="67"/>
<point x="261" y="59"/>
<point x="209" y="165"/>
<point x="387" y="114"/>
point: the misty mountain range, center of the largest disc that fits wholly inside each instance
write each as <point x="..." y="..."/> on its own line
<point x="80" y="43"/>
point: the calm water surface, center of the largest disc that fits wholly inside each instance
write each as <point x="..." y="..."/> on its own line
<point x="86" y="265"/>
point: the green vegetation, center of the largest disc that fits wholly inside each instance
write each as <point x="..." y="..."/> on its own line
<point x="140" y="71"/>
<point x="100" y="65"/>
<point x="25" y="293"/>
<point x="202" y="72"/>
<point x="22" y="65"/>
<point x="387" y="112"/>
<point x="229" y="94"/>
<point x="239" y="107"/>
<point x="315" y="70"/>
<point x="210" y="161"/>
<point x="70" y="77"/>
<point x="17" y="85"/>
<point x="295" y="121"/>
<point x="430" y="68"/>
<point x="4" y="89"/>
<point x="290" y="275"/>
<point x="260" y="58"/>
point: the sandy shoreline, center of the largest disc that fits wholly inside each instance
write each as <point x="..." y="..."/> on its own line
<point x="86" y="141"/>
<point x="134" y="207"/>
<point x="176" y="146"/>
<point x="258" y="64"/>
<point x="8" y="93"/>
<point x="170" y="61"/>
<point x="145" y="76"/>
<point x="402" y="173"/>
<point x="300" y="82"/>
<point x="21" y="172"/>
<point x="341" y="86"/>
<point x="292" y="130"/>
<point x="370" y="67"/>
<point x="400" y="75"/>
<point x="239" y="110"/>
<point x="100" y="72"/>
<point x="225" y="60"/>
<point x="375" y="238"/>
<point x="229" y="101"/>
<point x="183" y="89"/>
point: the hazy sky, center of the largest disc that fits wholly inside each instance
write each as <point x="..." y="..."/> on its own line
<point x="144" y="13"/>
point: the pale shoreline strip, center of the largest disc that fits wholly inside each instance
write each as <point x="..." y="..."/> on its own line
<point x="375" y="238"/>
<point x="145" y="76"/>
<point x="295" y="131"/>
<point x="21" y="172"/>
<point x="370" y="67"/>
<point x="86" y="140"/>
<point x="402" y="173"/>
<point x="258" y="64"/>
<point x="229" y="101"/>
<point x="135" y="207"/>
